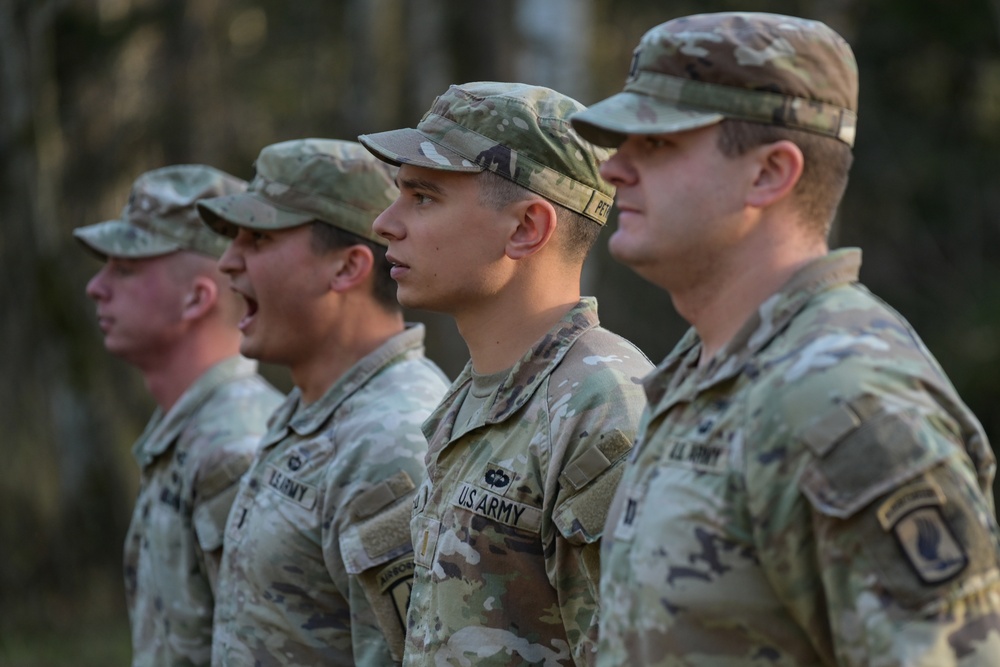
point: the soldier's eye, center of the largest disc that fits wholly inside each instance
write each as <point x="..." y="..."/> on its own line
<point x="122" y="267"/>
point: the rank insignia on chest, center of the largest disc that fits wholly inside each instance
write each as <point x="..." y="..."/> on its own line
<point x="625" y="528"/>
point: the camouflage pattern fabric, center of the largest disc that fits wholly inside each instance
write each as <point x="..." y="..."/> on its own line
<point x="506" y="528"/>
<point x="517" y="131"/>
<point x="160" y="216"/>
<point x="696" y="70"/>
<point x="332" y="181"/>
<point x="816" y="495"/>
<point x="191" y="460"/>
<point x="318" y="558"/>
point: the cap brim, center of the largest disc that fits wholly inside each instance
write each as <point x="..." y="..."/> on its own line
<point x="118" y="238"/>
<point x="410" y="146"/>
<point x="225" y="215"/>
<point x="609" y="121"/>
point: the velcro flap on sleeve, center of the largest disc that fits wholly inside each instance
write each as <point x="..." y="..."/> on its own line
<point x="380" y="524"/>
<point x="385" y="492"/>
<point x="210" y="516"/>
<point x="828" y="429"/>
<point x="588" y="485"/>
<point x="877" y="456"/>
<point x="594" y="460"/>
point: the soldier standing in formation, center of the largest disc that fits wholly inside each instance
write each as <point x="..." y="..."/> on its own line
<point x="499" y="203"/>
<point x="318" y="559"/>
<point x="807" y="487"/>
<point x="164" y="308"/>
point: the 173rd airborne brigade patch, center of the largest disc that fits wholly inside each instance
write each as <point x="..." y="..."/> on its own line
<point x="913" y="513"/>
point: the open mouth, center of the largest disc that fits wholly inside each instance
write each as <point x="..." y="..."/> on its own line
<point x="250" y="313"/>
<point x="251" y="310"/>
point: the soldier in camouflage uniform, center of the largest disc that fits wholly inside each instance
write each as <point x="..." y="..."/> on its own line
<point x="318" y="558"/>
<point x="500" y="202"/>
<point x="807" y="487"/>
<point x="163" y="307"/>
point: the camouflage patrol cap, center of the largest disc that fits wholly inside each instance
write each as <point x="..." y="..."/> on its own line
<point x="517" y="131"/>
<point x="694" y="71"/>
<point x="160" y="216"/>
<point x="332" y="181"/>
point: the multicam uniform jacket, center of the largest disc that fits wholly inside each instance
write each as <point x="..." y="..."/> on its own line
<point x="191" y="459"/>
<point x="318" y="558"/>
<point x="816" y="495"/>
<point x="506" y="527"/>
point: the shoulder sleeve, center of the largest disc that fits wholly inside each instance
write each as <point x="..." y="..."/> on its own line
<point x="906" y="551"/>
<point x="215" y="490"/>
<point x="378" y="554"/>
<point x="366" y="541"/>
<point x="587" y="484"/>
<point x="596" y="405"/>
<point x="594" y="417"/>
<point x="228" y="429"/>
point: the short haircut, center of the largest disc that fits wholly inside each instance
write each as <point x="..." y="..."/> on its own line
<point x="827" y="162"/>
<point x="189" y="264"/>
<point x="575" y="233"/>
<point x="326" y="238"/>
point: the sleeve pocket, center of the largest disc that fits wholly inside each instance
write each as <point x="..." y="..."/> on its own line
<point x="903" y="493"/>
<point x="869" y="460"/>
<point x="377" y="550"/>
<point x="587" y="485"/>
<point x="210" y="518"/>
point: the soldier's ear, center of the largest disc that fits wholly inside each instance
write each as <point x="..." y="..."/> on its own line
<point x="777" y="169"/>
<point x="353" y="266"/>
<point x="201" y="297"/>
<point x="536" y="220"/>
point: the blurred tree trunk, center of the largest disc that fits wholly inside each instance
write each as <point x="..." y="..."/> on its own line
<point x="427" y="71"/>
<point x="374" y="28"/>
<point x="555" y="39"/>
<point x="53" y="516"/>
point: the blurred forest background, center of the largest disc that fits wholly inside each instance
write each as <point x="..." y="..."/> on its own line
<point x="94" y="92"/>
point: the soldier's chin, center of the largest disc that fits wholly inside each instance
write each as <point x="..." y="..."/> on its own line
<point x="406" y="297"/>
<point x="619" y="246"/>
<point x="249" y="349"/>
<point x="118" y="349"/>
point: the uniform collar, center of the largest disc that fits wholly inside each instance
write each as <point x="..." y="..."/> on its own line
<point x="163" y="430"/>
<point x="307" y="420"/>
<point x="525" y="376"/>
<point x="839" y="267"/>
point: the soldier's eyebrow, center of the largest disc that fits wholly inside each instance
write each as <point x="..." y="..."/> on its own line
<point x="419" y="184"/>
